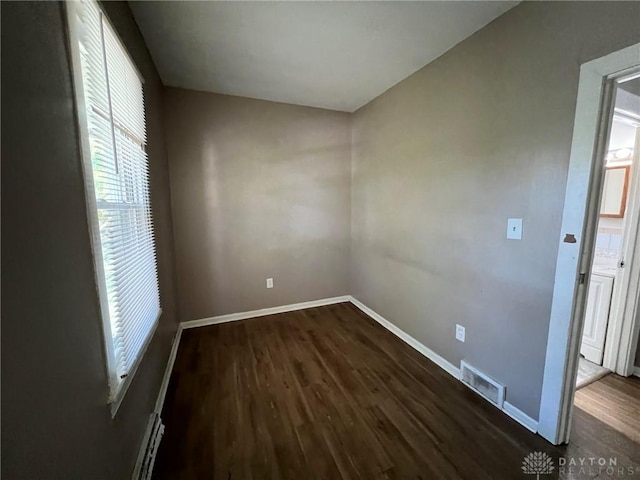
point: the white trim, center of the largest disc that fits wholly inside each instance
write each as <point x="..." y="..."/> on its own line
<point x="73" y="38"/>
<point x="581" y="207"/>
<point x="448" y="367"/>
<point x="167" y="371"/>
<point x="142" y="451"/>
<point x="513" y="412"/>
<point x="162" y="393"/>
<point x="118" y="386"/>
<point x="520" y="417"/>
<point x="232" y="317"/>
<point x="124" y="386"/>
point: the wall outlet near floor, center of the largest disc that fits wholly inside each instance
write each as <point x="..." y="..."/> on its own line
<point x="460" y="333"/>
<point x="269" y="282"/>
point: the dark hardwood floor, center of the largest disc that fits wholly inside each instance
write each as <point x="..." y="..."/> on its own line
<point x="327" y="393"/>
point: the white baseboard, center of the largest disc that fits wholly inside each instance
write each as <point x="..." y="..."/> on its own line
<point x="162" y="393"/>
<point x="142" y="451"/>
<point x="232" y="317"/>
<point x="520" y="417"/>
<point x="405" y="337"/>
<point x="167" y="372"/>
<point x="515" y="413"/>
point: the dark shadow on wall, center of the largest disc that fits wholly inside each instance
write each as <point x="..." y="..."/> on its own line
<point x="55" y="419"/>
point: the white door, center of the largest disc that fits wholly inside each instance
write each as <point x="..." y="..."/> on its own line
<point x="596" y="318"/>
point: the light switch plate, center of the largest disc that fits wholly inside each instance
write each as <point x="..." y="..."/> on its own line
<point x="460" y="333"/>
<point x="269" y="282"/>
<point x="514" y="228"/>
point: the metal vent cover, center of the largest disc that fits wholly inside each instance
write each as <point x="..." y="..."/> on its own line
<point x="482" y="384"/>
<point x="151" y="442"/>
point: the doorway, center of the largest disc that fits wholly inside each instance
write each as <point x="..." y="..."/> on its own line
<point x="599" y="86"/>
<point x="609" y="286"/>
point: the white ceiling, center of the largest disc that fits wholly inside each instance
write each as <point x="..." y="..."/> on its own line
<point x="335" y="55"/>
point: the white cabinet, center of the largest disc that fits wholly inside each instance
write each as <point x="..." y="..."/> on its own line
<point x="596" y="318"/>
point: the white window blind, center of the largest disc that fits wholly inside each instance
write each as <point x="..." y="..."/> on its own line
<point x="109" y="92"/>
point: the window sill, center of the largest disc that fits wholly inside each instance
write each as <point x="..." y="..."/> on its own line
<point x="124" y="385"/>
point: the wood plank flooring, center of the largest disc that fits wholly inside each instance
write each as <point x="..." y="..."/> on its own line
<point x="615" y="401"/>
<point x="327" y="393"/>
<point x="606" y="421"/>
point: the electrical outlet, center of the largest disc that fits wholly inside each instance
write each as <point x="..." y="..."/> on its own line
<point x="269" y="282"/>
<point x="460" y="333"/>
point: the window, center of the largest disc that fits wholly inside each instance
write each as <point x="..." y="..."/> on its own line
<point x="109" y="94"/>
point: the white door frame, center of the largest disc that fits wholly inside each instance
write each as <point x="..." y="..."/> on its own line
<point x="594" y="111"/>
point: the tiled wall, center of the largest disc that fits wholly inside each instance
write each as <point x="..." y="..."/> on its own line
<point x="609" y="241"/>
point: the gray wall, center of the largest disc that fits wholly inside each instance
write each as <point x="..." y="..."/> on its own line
<point x="259" y="189"/>
<point x="263" y="189"/>
<point x="55" y="420"/>
<point x="444" y="157"/>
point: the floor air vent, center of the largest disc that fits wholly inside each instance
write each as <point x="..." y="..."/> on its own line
<point x="151" y="442"/>
<point x="482" y="384"/>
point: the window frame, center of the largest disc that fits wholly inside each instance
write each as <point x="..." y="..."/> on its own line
<point x="117" y="387"/>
